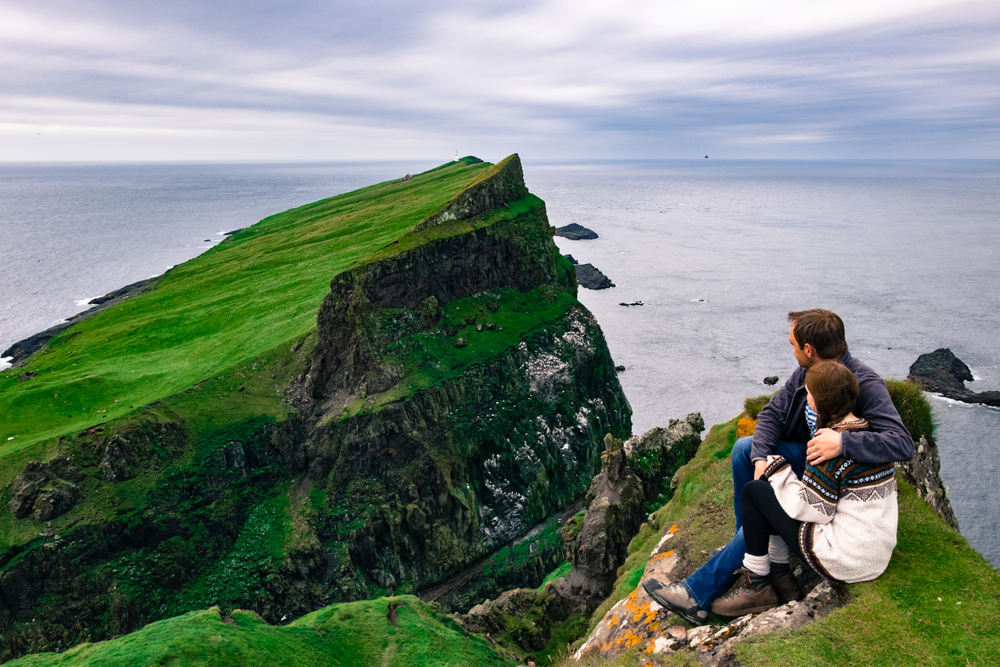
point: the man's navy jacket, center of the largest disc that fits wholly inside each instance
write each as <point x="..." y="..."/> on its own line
<point x="783" y="419"/>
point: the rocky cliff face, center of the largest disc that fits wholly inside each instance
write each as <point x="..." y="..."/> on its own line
<point x="465" y="259"/>
<point x="455" y="396"/>
<point x="462" y="469"/>
<point x="472" y="462"/>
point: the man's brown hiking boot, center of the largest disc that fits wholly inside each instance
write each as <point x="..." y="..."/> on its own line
<point x="753" y="594"/>
<point x="785" y="585"/>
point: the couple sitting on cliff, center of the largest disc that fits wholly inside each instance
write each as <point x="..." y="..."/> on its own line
<point x="816" y="477"/>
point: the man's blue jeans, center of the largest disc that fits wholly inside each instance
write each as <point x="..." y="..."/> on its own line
<point x="717" y="576"/>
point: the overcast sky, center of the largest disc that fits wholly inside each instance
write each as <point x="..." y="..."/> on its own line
<point x="381" y="79"/>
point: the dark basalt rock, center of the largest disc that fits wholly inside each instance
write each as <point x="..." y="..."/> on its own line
<point x="45" y="490"/>
<point x="941" y="372"/>
<point x="771" y="380"/>
<point x="116" y="460"/>
<point x="615" y="510"/>
<point x="634" y="475"/>
<point x="22" y="349"/>
<point x="576" y="232"/>
<point x="572" y="260"/>
<point x="492" y="617"/>
<point x="587" y="275"/>
<point x="128" y="290"/>
<point x="502" y="188"/>
<point x="923" y="472"/>
<point x="126" y="455"/>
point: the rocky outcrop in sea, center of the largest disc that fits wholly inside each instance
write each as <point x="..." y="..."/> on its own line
<point x="589" y="276"/>
<point x="576" y="232"/>
<point x="941" y="372"/>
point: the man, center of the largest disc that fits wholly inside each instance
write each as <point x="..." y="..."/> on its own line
<point x="783" y="427"/>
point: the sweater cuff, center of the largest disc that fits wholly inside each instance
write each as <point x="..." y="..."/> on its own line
<point x="774" y="467"/>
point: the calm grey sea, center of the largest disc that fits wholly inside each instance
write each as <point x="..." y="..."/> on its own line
<point x="718" y="252"/>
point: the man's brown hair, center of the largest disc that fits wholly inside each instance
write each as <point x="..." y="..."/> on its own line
<point x="821" y="328"/>
<point x="834" y="390"/>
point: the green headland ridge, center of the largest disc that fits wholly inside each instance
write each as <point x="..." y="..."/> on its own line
<point x="330" y="437"/>
<point x="360" y="397"/>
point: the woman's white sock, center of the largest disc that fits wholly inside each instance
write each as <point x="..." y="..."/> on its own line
<point x="757" y="564"/>
<point x="777" y="550"/>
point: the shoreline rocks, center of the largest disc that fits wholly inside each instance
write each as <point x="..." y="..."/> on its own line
<point x="941" y="372"/>
<point x="22" y="350"/>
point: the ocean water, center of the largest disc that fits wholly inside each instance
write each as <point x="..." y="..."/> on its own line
<point x="718" y="252"/>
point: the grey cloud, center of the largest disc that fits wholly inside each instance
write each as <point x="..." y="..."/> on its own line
<point x="524" y="74"/>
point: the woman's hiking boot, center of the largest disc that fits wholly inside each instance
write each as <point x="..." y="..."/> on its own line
<point x="785" y="584"/>
<point x="677" y="599"/>
<point x="753" y="594"/>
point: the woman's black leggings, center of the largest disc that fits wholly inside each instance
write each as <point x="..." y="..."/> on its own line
<point x="763" y="517"/>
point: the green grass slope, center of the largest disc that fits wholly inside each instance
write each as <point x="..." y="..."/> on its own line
<point x="238" y="301"/>
<point x="938" y="603"/>
<point x="353" y="634"/>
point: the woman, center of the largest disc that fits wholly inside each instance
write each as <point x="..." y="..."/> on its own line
<point x="840" y="517"/>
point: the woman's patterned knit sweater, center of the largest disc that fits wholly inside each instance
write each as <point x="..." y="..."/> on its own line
<point x="848" y="509"/>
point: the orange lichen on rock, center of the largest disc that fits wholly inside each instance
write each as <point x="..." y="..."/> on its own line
<point x="745" y="426"/>
<point x="641" y="612"/>
<point x="665" y="554"/>
<point x="636" y="619"/>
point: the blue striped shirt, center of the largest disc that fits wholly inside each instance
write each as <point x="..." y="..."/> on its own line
<point x="811" y="420"/>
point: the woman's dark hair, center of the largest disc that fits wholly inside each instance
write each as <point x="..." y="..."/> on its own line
<point x="821" y="328"/>
<point x="834" y="389"/>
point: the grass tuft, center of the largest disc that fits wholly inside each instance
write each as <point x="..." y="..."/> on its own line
<point x="913" y="408"/>
<point x="754" y="404"/>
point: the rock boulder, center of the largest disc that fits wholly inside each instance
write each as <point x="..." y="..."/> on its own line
<point x="587" y="275"/>
<point x="576" y="232"/>
<point x="45" y="490"/>
<point x="598" y="545"/>
<point x="941" y="372"/>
